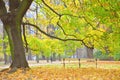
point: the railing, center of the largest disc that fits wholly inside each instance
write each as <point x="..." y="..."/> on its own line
<point x="78" y="61"/>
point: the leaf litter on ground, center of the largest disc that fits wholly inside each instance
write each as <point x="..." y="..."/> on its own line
<point x="55" y="73"/>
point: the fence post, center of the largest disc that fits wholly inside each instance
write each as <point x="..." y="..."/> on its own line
<point x="79" y="63"/>
<point x="69" y="60"/>
<point x="96" y="62"/>
<point x="64" y="62"/>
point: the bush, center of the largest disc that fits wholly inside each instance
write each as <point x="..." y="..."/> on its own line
<point x="116" y="56"/>
<point x="101" y="56"/>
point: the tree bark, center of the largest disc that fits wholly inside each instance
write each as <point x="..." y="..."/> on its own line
<point x="29" y="54"/>
<point x="9" y="59"/>
<point x="43" y="57"/>
<point x="13" y="29"/>
<point x="12" y="24"/>
<point x="59" y="57"/>
<point x="37" y="58"/>
<point x="16" y="45"/>
<point x="54" y="57"/>
<point x="5" y="58"/>
<point x="47" y="58"/>
<point x="89" y="52"/>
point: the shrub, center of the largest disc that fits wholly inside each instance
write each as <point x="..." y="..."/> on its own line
<point x="99" y="55"/>
<point x="116" y="56"/>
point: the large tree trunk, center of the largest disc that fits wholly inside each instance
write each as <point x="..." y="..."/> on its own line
<point x="16" y="45"/>
<point x="13" y="29"/>
<point x="12" y="24"/>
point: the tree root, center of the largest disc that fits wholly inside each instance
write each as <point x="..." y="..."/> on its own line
<point x="12" y="70"/>
<point x="4" y="70"/>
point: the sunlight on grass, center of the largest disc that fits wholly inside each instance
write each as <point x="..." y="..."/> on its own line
<point x="85" y="65"/>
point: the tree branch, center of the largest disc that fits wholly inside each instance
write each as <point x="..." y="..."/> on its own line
<point x="35" y="26"/>
<point x="51" y="9"/>
<point x="54" y="37"/>
<point x="60" y="15"/>
<point x="64" y="31"/>
<point x="24" y="5"/>
<point x="13" y="4"/>
<point x="3" y="10"/>
<point x="26" y="43"/>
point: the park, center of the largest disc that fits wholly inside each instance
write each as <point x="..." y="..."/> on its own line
<point x="59" y="40"/>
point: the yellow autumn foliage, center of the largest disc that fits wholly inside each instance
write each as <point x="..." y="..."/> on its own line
<point x="53" y="73"/>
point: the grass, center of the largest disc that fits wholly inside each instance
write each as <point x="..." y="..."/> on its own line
<point x="75" y="64"/>
<point x="100" y="64"/>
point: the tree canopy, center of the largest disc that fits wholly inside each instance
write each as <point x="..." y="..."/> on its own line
<point x="94" y="23"/>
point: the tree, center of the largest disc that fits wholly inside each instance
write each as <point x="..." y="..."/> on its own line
<point x="94" y="23"/>
<point x="74" y="20"/>
<point x="12" y="21"/>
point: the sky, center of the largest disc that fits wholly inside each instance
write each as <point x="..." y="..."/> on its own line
<point x="1" y="28"/>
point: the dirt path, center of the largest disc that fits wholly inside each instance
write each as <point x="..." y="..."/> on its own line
<point x="33" y="64"/>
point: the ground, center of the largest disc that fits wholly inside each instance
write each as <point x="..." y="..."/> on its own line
<point x="52" y="73"/>
<point x="55" y="71"/>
